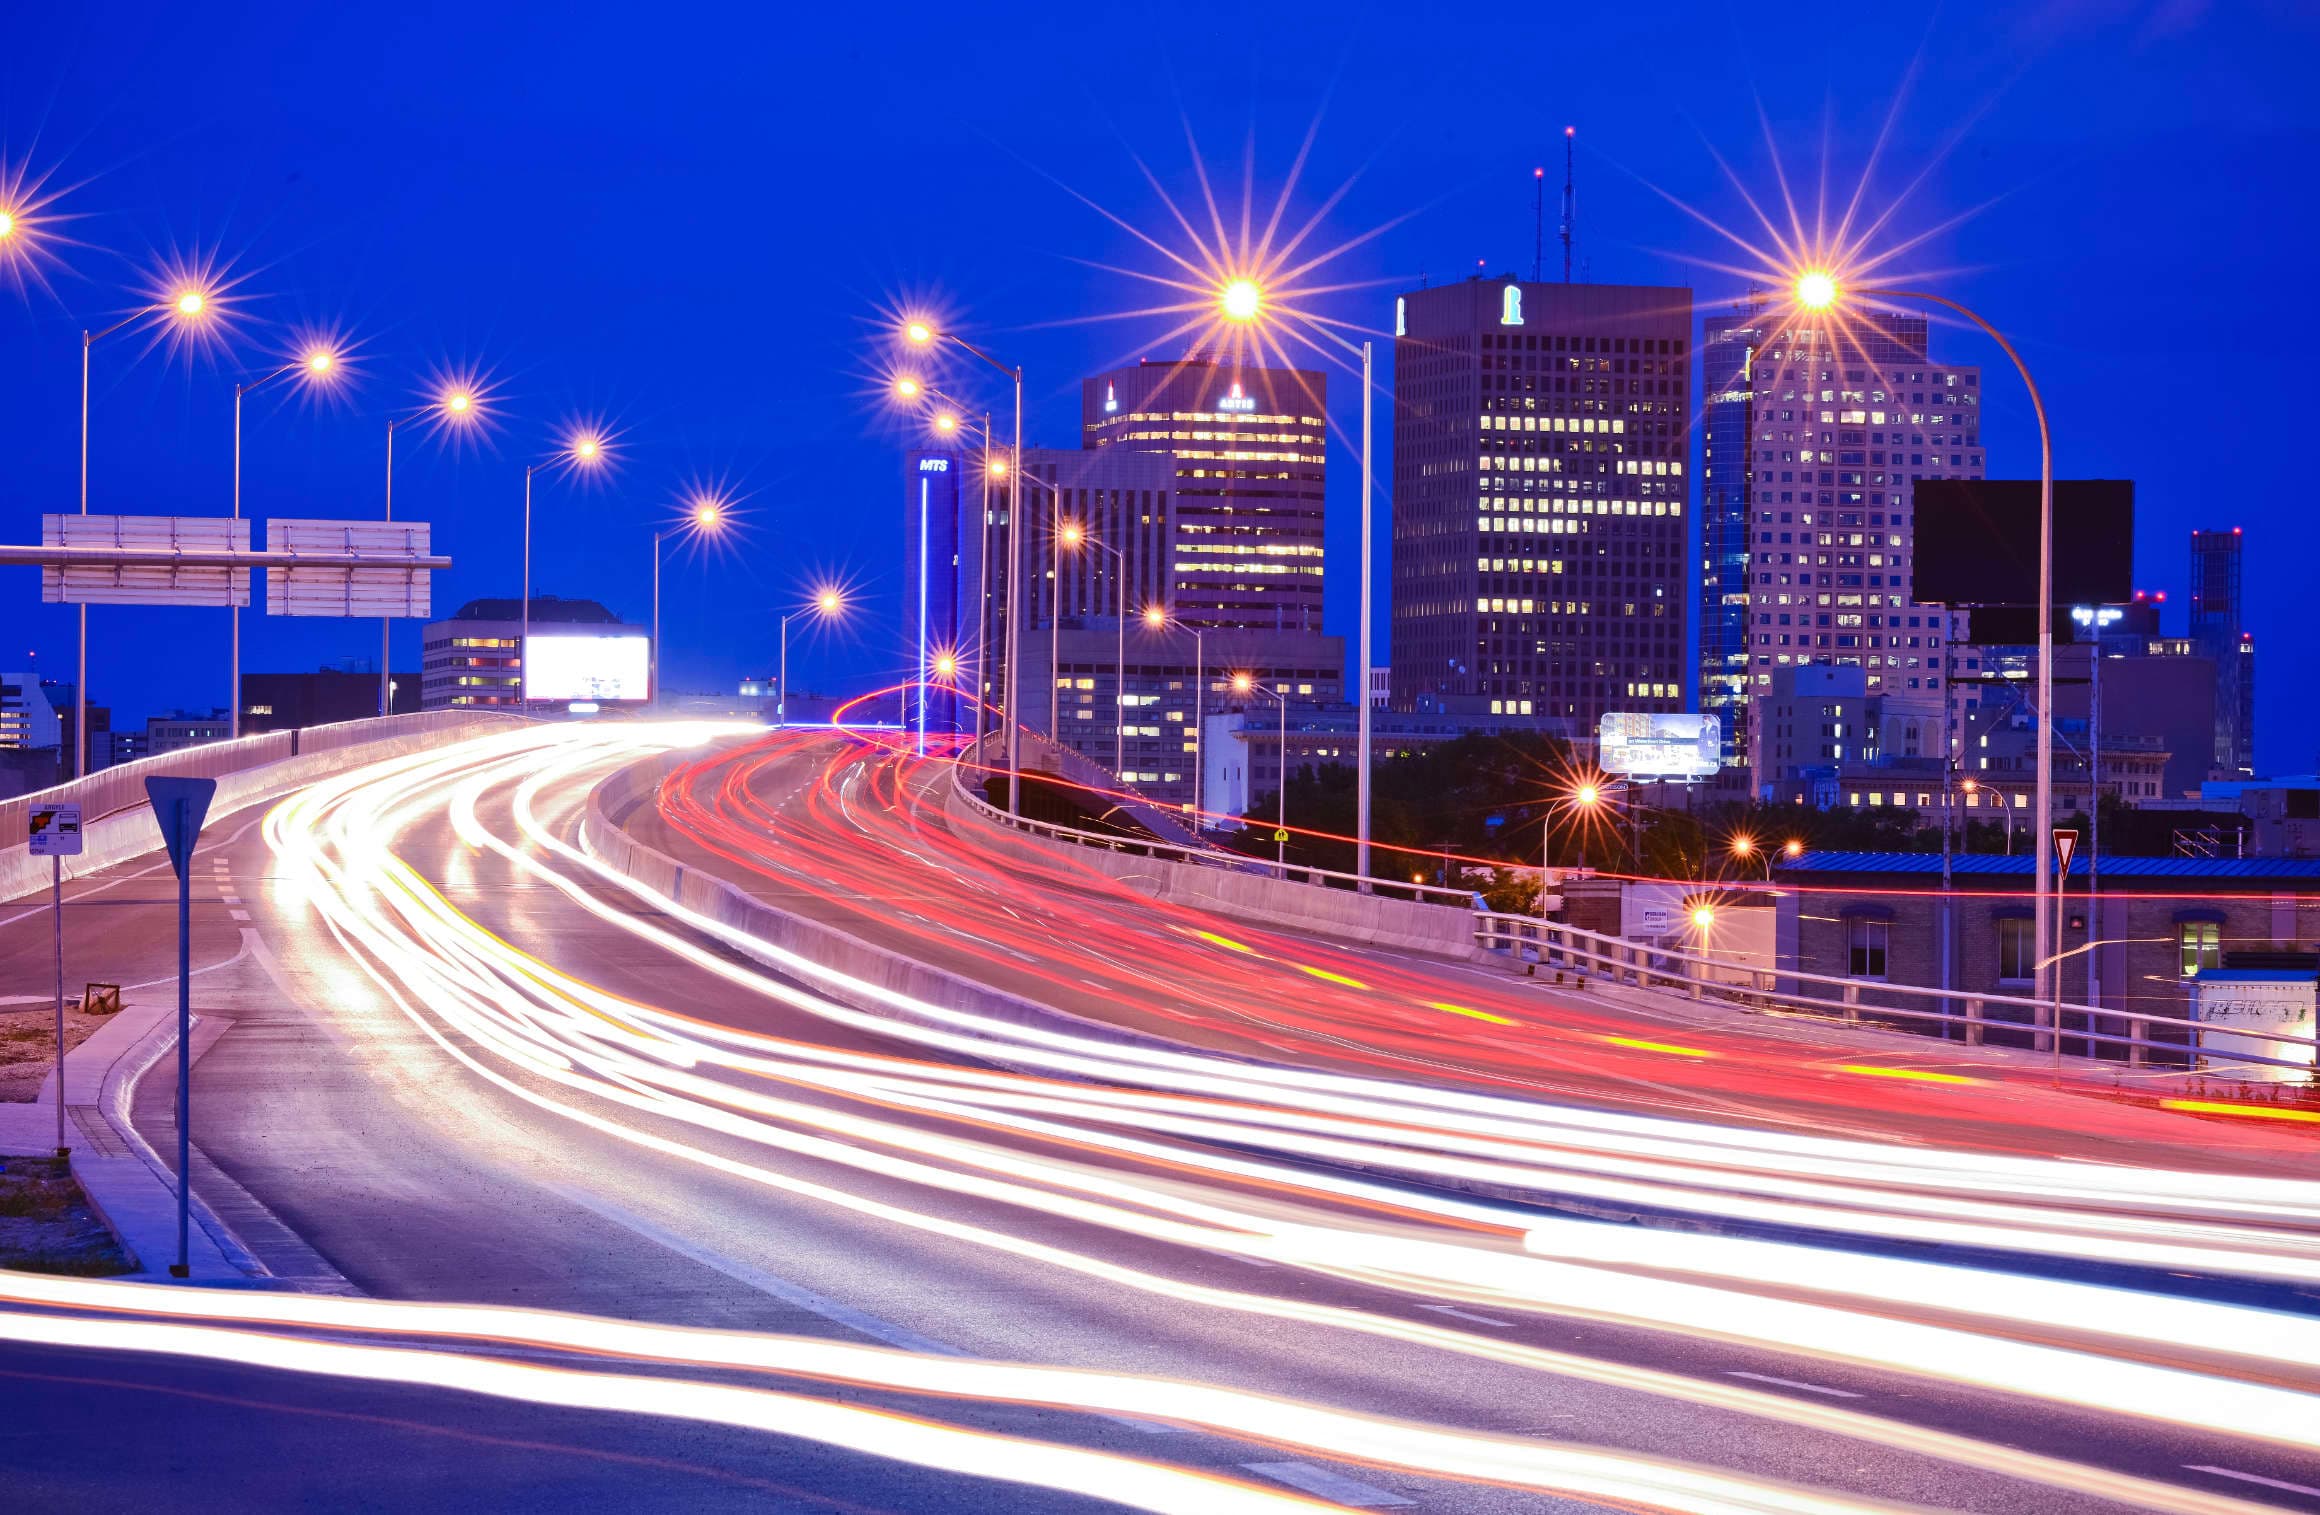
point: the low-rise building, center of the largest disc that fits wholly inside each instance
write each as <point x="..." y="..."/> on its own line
<point x="2155" y="925"/>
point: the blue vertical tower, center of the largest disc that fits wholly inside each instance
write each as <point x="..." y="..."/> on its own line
<point x="932" y="606"/>
<point x="1727" y="478"/>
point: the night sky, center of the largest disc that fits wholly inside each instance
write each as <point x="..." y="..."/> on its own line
<point x="687" y="220"/>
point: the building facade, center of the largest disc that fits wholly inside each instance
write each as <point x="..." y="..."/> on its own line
<point x="1539" y="491"/>
<point x="292" y="701"/>
<point x="2217" y="630"/>
<point x="475" y="659"/>
<point x="1815" y="438"/>
<point x="27" y="720"/>
<point x="1250" y="445"/>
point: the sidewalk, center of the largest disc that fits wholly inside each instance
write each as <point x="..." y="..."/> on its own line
<point x="127" y="1183"/>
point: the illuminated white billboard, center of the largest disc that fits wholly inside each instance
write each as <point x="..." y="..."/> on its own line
<point x="574" y="666"/>
<point x="1660" y="746"/>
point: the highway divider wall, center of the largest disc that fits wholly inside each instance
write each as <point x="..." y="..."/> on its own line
<point x="860" y="973"/>
<point x="117" y="824"/>
<point x="1237" y="888"/>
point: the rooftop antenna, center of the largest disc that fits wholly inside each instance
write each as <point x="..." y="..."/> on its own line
<point x="1570" y="200"/>
<point x="1538" y="222"/>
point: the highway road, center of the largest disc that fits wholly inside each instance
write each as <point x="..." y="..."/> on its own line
<point x="926" y="1264"/>
<point x="859" y="836"/>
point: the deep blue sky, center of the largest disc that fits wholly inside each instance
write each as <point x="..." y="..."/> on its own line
<point x="686" y="218"/>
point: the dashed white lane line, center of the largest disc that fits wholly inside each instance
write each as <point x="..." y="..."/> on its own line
<point x="797" y="1294"/>
<point x="239" y="915"/>
<point x="1324" y="1484"/>
<point x="1469" y="1315"/>
<point x="1796" y="1383"/>
<point x="2270" y="1483"/>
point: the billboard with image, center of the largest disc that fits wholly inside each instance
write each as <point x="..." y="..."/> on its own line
<point x="565" y="665"/>
<point x="1659" y="746"/>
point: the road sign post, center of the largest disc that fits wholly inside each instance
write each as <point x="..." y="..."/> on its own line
<point x="2065" y="843"/>
<point x="179" y="806"/>
<point x="56" y="835"/>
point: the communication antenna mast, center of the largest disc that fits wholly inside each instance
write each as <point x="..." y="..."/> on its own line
<point x="1538" y="223"/>
<point x="1570" y="200"/>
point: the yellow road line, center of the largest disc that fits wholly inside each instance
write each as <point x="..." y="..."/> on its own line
<point x="1335" y="978"/>
<point x="1915" y="1075"/>
<point x="2217" y="1107"/>
<point x="1480" y="1015"/>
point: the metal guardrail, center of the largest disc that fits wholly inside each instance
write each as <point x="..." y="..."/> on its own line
<point x="1703" y="975"/>
<point x="1206" y="857"/>
<point x="109" y="791"/>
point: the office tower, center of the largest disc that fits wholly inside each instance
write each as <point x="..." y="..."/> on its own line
<point x="1250" y="445"/>
<point x="1728" y="348"/>
<point x="934" y="492"/>
<point x="1842" y="419"/>
<point x="1539" y="497"/>
<point x="2217" y="630"/>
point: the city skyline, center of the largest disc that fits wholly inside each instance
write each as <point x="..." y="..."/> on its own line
<point x="159" y="435"/>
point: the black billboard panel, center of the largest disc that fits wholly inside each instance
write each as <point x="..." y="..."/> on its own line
<point x="1977" y="541"/>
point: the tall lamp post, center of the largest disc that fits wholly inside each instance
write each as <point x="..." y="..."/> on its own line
<point x="1243" y="301"/>
<point x="1819" y="290"/>
<point x="921" y="334"/>
<point x="1243" y="684"/>
<point x="458" y="405"/>
<point x="1075" y="536"/>
<point x="1157" y="618"/>
<point x="187" y="305"/>
<point x="826" y="603"/>
<point x="580" y="449"/>
<point x="704" y="517"/>
<point x="320" y="365"/>
<point x="909" y="389"/>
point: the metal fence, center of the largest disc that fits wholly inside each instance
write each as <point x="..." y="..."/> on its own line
<point x="1908" y="1007"/>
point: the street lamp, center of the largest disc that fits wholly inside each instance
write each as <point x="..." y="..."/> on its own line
<point x="1242" y="300"/>
<point x="1819" y="289"/>
<point x="581" y="447"/>
<point x="1157" y="618"/>
<point x="1242" y="683"/>
<point x="827" y="602"/>
<point x="320" y="363"/>
<point x="454" y="403"/>
<point x="1074" y="536"/>
<point x="183" y="306"/>
<point x="704" y="517"/>
<point x="909" y="389"/>
<point x="922" y="334"/>
<point x="1744" y="847"/>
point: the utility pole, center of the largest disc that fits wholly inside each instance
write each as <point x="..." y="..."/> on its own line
<point x="1538" y="223"/>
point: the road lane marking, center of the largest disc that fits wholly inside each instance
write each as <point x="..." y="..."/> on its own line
<point x="1225" y="942"/>
<point x="239" y="915"/>
<point x="1327" y="1485"/>
<point x="1795" y="1383"/>
<point x="797" y="1294"/>
<point x="2270" y="1483"/>
<point x="1915" y="1075"/>
<point x="2218" y="1107"/>
<point x="1640" y="1045"/>
<point x="1480" y="1015"/>
<point x="1469" y="1315"/>
<point x="1334" y="978"/>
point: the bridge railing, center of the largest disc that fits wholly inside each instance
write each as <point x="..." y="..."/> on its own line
<point x="1704" y="975"/>
<point x="1205" y="856"/>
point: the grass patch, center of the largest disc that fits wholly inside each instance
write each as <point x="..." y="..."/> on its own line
<point x="46" y="1225"/>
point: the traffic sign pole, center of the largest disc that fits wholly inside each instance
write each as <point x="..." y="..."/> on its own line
<point x="180" y="805"/>
<point x="55" y="833"/>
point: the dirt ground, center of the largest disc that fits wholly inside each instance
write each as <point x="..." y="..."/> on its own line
<point x="46" y="1226"/>
<point x="28" y="1045"/>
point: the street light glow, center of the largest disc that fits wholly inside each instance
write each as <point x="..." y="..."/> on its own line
<point x="191" y="302"/>
<point x="1816" y="289"/>
<point x="1155" y="617"/>
<point x="1794" y="848"/>
<point x="829" y="602"/>
<point x="1071" y="533"/>
<point x="1742" y="846"/>
<point x="459" y="402"/>
<point x="919" y="333"/>
<point x="320" y="362"/>
<point x="1703" y="916"/>
<point x="7" y="225"/>
<point x="708" y="514"/>
<point x="908" y="389"/>
<point x="1242" y="683"/>
<point x="946" y="423"/>
<point x="1587" y="794"/>
<point x="945" y="665"/>
<point x="1241" y="300"/>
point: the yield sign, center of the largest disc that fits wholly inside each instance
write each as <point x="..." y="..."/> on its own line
<point x="2065" y="843"/>
<point x="180" y="805"/>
